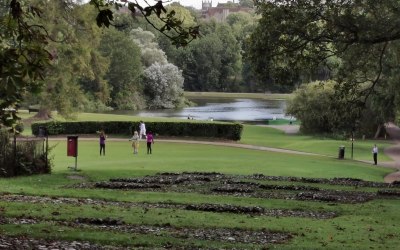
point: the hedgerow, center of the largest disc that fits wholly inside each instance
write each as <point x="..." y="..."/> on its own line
<point x="230" y="131"/>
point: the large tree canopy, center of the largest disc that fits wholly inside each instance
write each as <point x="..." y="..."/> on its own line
<point x="25" y="55"/>
<point x="353" y="37"/>
<point x="355" y="41"/>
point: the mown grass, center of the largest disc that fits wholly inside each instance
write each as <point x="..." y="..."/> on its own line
<point x="358" y="226"/>
<point x="270" y="137"/>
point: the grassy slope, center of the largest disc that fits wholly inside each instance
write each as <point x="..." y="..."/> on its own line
<point x="270" y="137"/>
<point x="357" y="227"/>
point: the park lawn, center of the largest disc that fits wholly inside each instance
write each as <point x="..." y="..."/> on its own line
<point x="179" y="157"/>
<point x="271" y="137"/>
<point x="358" y="226"/>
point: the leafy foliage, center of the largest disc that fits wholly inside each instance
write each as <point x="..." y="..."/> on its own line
<point x="25" y="158"/>
<point x="163" y="86"/>
<point x="23" y="57"/>
<point x="348" y="40"/>
<point x="125" y="69"/>
<point x="48" y="39"/>
<point x="180" y="36"/>
<point x="321" y="111"/>
<point x="211" y="130"/>
<point x="293" y="36"/>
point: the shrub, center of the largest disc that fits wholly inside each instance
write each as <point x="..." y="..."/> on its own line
<point x="27" y="157"/>
<point x="228" y="131"/>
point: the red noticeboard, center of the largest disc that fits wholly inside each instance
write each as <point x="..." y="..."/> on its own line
<point x="72" y="145"/>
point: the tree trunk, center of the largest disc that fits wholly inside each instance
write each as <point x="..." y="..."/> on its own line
<point x="378" y="131"/>
<point x="43" y="114"/>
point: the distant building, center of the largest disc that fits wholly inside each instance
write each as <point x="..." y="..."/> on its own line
<point x="221" y="12"/>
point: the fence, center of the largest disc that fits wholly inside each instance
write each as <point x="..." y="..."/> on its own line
<point x="23" y="155"/>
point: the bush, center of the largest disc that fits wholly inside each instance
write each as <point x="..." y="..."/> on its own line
<point x="27" y="157"/>
<point x="228" y="131"/>
<point x="322" y="111"/>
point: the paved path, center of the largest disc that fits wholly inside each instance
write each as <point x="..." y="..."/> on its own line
<point x="393" y="152"/>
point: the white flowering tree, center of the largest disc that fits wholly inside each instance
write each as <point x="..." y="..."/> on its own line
<point x="150" y="51"/>
<point x="162" y="81"/>
<point x="163" y="86"/>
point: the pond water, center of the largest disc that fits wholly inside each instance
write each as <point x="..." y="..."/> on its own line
<point x="221" y="109"/>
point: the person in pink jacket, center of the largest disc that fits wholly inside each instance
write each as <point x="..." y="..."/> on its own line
<point x="150" y="140"/>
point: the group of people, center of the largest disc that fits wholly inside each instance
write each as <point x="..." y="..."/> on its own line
<point x="150" y="140"/>
<point x="138" y="136"/>
<point x="135" y="139"/>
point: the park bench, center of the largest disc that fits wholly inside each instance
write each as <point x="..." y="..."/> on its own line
<point x="33" y="109"/>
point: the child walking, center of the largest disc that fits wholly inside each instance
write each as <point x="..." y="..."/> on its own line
<point x="150" y="140"/>
<point x="135" y="142"/>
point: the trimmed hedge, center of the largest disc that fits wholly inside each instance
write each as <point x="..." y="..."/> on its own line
<point x="231" y="131"/>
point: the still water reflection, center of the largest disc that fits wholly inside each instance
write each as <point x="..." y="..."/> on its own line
<point x="224" y="109"/>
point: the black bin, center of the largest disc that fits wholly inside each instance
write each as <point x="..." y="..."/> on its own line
<point x="341" y="152"/>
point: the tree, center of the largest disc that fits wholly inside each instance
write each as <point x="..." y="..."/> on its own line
<point x="150" y="51"/>
<point x="304" y="34"/>
<point x="315" y="105"/>
<point x="163" y="86"/>
<point x="23" y="53"/>
<point x="350" y="38"/>
<point x="74" y="42"/>
<point x="321" y="112"/>
<point x="181" y="36"/>
<point x="124" y="71"/>
<point x="163" y="81"/>
<point x="201" y="63"/>
<point x="231" y="62"/>
<point x="23" y="58"/>
<point x="246" y="3"/>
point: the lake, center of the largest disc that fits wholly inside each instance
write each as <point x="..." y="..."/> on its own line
<point x="221" y="109"/>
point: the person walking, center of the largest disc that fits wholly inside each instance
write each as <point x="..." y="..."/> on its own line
<point x="375" y="154"/>
<point x="135" y="142"/>
<point x="150" y="140"/>
<point x="102" y="140"/>
<point x="142" y="130"/>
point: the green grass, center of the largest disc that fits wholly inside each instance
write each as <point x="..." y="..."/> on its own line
<point x="270" y="137"/>
<point x="358" y="226"/>
<point x="281" y="122"/>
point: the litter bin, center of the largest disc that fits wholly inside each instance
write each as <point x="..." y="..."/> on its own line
<point x="72" y="145"/>
<point x="341" y="152"/>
